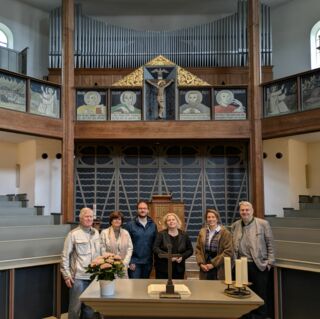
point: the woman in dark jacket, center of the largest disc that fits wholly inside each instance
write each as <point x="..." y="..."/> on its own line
<point x="181" y="244"/>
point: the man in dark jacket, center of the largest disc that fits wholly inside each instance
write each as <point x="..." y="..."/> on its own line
<point x="143" y="232"/>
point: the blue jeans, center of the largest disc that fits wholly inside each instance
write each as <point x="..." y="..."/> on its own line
<point x="142" y="271"/>
<point x="75" y="306"/>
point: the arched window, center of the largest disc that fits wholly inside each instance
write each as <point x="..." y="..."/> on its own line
<point x="314" y="44"/>
<point x="6" y="36"/>
<point x="3" y="39"/>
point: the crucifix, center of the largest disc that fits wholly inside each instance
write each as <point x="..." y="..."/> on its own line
<point x="161" y="85"/>
<point x="169" y="293"/>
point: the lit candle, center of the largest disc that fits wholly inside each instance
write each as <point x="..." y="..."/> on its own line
<point x="238" y="273"/>
<point x="244" y="266"/>
<point x="94" y="208"/>
<point x="227" y="270"/>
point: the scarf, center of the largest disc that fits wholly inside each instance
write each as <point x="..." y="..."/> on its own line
<point x="118" y="246"/>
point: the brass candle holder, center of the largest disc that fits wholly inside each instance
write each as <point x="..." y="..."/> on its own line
<point x="237" y="292"/>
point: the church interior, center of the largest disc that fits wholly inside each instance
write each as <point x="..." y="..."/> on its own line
<point x="208" y="103"/>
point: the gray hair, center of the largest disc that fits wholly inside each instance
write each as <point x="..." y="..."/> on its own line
<point x="246" y="203"/>
<point x="85" y="210"/>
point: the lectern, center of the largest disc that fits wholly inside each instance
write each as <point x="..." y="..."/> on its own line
<point x="163" y="204"/>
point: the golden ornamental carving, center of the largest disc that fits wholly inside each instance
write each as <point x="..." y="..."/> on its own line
<point x="186" y="78"/>
<point x="134" y="79"/>
<point x="160" y="60"/>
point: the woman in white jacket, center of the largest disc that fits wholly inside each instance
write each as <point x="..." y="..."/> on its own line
<point x="117" y="240"/>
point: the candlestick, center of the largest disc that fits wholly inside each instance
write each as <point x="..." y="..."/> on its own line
<point x="227" y="270"/>
<point x="244" y="267"/>
<point x="238" y="274"/>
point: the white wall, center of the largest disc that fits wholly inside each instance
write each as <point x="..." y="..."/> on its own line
<point x="26" y="159"/>
<point x="291" y="24"/>
<point x="314" y="168"/>
<point x="298" y="159"/>
<point x="285" y="178"/>
<point x="40" y="178"/>
<point x="48" y="176"/>
<point x="276" y="176"/>
<point x="8" y="161"/>
<point x="30" y="28"/>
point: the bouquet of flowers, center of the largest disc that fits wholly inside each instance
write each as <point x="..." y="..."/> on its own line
<point x="106" y="267"/>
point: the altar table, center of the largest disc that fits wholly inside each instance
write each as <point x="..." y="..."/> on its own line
<point x="131" y="300"/>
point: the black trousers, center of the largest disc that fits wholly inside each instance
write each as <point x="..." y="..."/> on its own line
<point x="163" y="274"/>
<point x="259" y="280"/>
<point x="209" y="275"/>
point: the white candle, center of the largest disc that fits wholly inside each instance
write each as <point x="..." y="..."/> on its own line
<point x="94" y="208"/>
<point x="238" y="273"/>
<point x="244" y="266"/>
<point x="227" y="270"/>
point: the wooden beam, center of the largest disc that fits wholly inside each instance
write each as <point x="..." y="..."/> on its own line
<point x="68" y="110"/>
<point x="156" y="130"/>
<point x="27" y="123"/>
<point x="255" y="148"/>
<point x="291" y="124"/>
<point x="58" y="287"/>
<point x="11" y="293"/>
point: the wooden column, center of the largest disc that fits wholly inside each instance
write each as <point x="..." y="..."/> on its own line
<point x="11" y="293"/>
<point x="68" y="110"/>
<point x="256" y="153"/>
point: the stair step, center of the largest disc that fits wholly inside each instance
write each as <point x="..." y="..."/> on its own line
<point x="3" y="198"/>
<point x="31" y="232"/>
<point x="30" y="248"/>
<point x="7" y="204"/>
<point x="25" y="220"/>
<point x="13" y="211"/>
<point x="297" y="222"/>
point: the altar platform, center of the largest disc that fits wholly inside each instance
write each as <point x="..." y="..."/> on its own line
<point x="131" y="300"/>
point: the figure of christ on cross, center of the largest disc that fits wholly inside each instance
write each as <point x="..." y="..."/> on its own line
<point x="161" y="85"/>
<point x="169" y="293"/>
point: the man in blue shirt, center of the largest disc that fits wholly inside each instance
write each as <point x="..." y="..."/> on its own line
<point x="143" y="232"/>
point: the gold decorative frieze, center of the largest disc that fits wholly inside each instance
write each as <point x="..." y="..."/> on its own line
<point x="185" y="78"/>
<point x="134" y="79"/>
<point x="160" y="60"/>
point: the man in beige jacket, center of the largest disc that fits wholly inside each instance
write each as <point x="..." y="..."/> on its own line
<point x="81" y="246"/>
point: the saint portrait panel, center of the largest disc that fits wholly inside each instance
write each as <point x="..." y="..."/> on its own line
<point x="126" y="105"/>
<point x="194" y="104"/>
<point x="91" y="105"/>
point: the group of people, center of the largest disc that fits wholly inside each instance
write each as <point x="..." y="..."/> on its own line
<point x="141" y="246"/>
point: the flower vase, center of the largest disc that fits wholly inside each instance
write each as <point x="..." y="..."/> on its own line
<point x="106" y="287"/>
